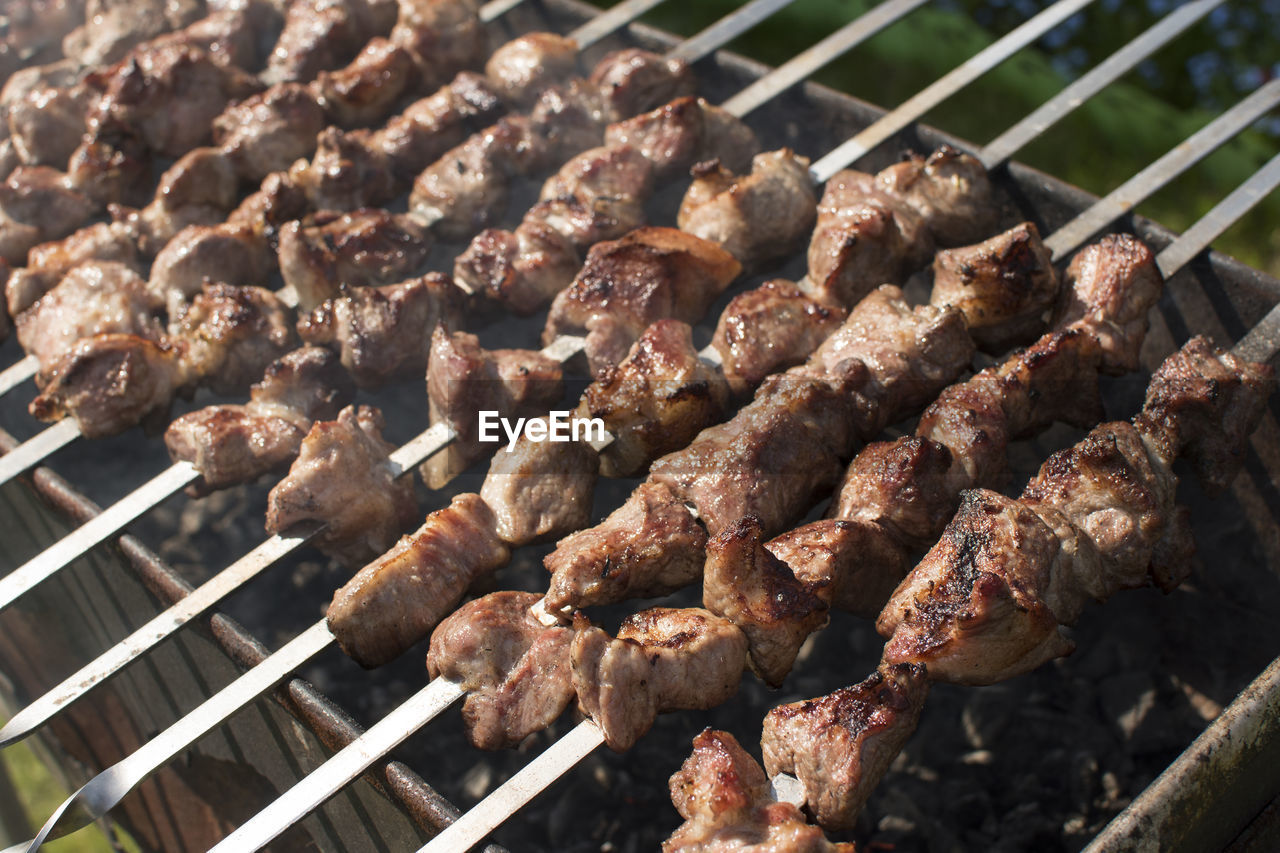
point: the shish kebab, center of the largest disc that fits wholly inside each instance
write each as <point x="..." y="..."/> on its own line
<point x="507" y="133"/>
<point x="140" y="756"/>
<point x="263" y="134"/>
<point x="431" y="441"/>
<point x="825" y="713"/>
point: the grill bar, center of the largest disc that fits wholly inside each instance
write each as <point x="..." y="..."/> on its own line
<point x="561" y="756"/>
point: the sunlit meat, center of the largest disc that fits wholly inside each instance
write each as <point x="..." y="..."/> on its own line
<point x="724" y="798"/>
<point x="346" y="172"/>
<point x="49" y="262"/>
<point x="384" y="332"/>
<point x="400" y="597"/>
<point x="770" y="328"/>
<point x="515" y="669"/>
<point x="93" y="298"/>
<point x="541" y="490"/>
<point x="683" y="132"/>
<point x="39" y="26"/>
<point x="853" y="565"/>
<point x="268" y="131"/>
<point x="233" y="334"/>
<point x="231" y="444"/>
<point x="228" y="254"/>
<point x="442" y="36"/>
<point x="841" y="744"/>
<point x="758" y="217"/>
<point x="109" y="28"/>
<point x="342" y="480"/>
<point x="464" y="379"/>
<point x="522" y="67"/>
<point x="649" y="546"/>
<point x="634" y="80"/>
<point x="753" y="589"/>
<point x="656" y="400"/>
<point x="650" y="274"/>
<point x="950" y="189"/>
<point x="365" y="90"/>
<point x="46" y="125"/>
<point x="1004" y="286"/>
<point x="37" y="205"/>
<point x="413" y="139"/>
<point x="325" y="34"/>
<point x="663" y="659"/>
<point x="367" y="247"/>
<point x="201" y="188"/>
<point x="277" y="202"/>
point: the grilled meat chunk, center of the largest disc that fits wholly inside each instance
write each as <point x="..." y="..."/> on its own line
<point x="266" y="132"/>
<point x="541" y="490"/>
<point x="523" y="269"/>
<point x="347" y="172"/>
<point x="853" y="565"/>
<point x="95" y="297"/>
<point x="520" y="69"/>
<point x="649" y="546"/>
<point x="634" y="80"/>
<point x="949" y="189"/>
<point x="109" y="28"/>
<point x="111" y="382"/>
<point x="224" y="253"/>
<point x="663" y="659"/>
<point x="770" y="328"/>
<point x="442" y="36"/>
<point x="324" y="34"/>
<point x="1004" y="286"/>
<point x="364" y="91"/>
<point x="656" y="400"/>
<point x="840" y="745"/>
<point x="48" y="263"/>
<point x="201" y="188"/>
<point x="341" y="478"/>
<point x="515" y="669"/>
<point x="464" y="379"/>
<point x="723" y="795"/>
<point x="232" y="444"/>
<point x="414" y="138"/>
<point x="384" y="332"/>
<point x="232" y="334"/>
<point x="277" y="201"/>
<point x="47" y="123"/>
<point x="759" y="217"/>
<point x="399" y="598"/>
<point x="746" y="584"/>
<point x="683" y="132"/>
<point x="863" y="238"/>
<point x="37" y="205"/>
<point x="367" y="247"/>
<point x="651" y="274"/>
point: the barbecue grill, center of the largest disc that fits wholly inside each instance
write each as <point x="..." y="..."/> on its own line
<point x="1202" y="801"/>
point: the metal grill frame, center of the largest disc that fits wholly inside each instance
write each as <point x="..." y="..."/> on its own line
<point x="1238" y="295"/>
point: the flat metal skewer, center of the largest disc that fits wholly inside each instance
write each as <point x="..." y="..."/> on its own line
<point x="17" y="373"/>
<point x="411" y="454"/>
<point x="560" y="757"/>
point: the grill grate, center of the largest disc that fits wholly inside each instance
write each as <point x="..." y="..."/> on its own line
<point x="1216" y="295"/>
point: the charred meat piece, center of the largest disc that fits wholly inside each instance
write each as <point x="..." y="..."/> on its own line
<point x="656" y="400"/>
<point x="95" y="297"/>
<point x="364" y="91"/>
<point x="111" y="382"/>
<point x="949" y="189"/>
<point x="111" y="167"/>
<point x="201" y="188"/>
<point x="367" y="247"/>
<point x="634" y="80"/>
<point x="759" y="217"/>
<point x="232" y="444"/>
<point x="524" y="66"/>
<point x="853" y="565"/>
<point x="232" y="334"/>
<point x="414" y="138"/>
<point x="541" y="490"/>
<point x="225" y="253"/>
<point x="663" y="659"/>
<point x="649" y="546"/>
<point x="863" y="238"/>
<point x="399" y="598"/>
<point x="266" y="132"/>
<point x="324" y="34"/>
<point x="384" y="332"/>
<point x="278" y="201"/>
<point x="37" y="205"/>
<point x="746" y="584"/>
<point x="49" y="262"/>
<point x="1109" y="286"/>
<point x="724" y="798"/>
<point x="768" y="329"/>
<point x="464" y="379"/>
<point x="840" y="745"/>
<point x="341" y="479"/>
<point x="903" y="486"/>
<point x="515" y="669"/>
<point x="683" y="132"/>
<point x="651" y="274"/>
<point x="523" y="269"/>
<point x="442" y="36"/>
<point x="1004" y="286"/>
<point x="347" y="172"/>
<point x="169" y="96"/>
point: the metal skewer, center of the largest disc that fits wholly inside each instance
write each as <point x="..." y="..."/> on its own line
<point x="558" y="758"/>
<point x="161" y="626"/>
